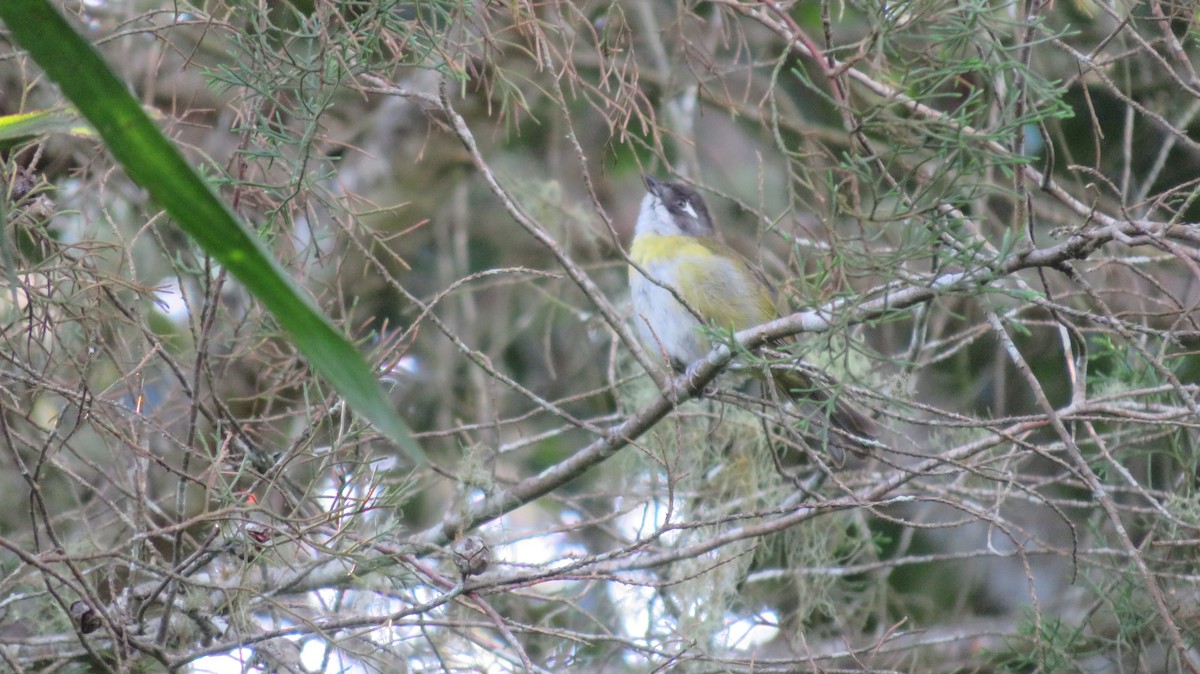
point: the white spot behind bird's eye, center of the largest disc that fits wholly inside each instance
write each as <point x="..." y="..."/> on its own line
<point x="687" y="208"/>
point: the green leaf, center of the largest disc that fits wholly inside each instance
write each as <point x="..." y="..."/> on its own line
<point x="26" y="124"/>
<point x="156" y="164"/>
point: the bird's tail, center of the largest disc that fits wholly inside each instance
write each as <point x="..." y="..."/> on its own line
<point x="833" y="421"/>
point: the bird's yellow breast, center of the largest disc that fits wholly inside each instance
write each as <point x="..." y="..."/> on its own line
<point x="652" y="248"/>
<point x="711" y="278"/>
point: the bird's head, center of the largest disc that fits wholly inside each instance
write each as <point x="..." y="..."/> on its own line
<point x="671" y="208"/>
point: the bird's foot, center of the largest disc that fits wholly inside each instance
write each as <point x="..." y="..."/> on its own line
<point x="691" y="377"/>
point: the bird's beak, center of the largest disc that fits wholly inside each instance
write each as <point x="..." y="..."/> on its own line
<point x="652" y="185"/>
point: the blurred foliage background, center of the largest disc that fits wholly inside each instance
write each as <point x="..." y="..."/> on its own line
<point x="982" y="214"/>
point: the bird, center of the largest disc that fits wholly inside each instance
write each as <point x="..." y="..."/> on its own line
<point x="676" y="255"/>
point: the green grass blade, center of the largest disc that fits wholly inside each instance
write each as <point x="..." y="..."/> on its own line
<point x="156" y="164"/>
<point x="24" y="125"/>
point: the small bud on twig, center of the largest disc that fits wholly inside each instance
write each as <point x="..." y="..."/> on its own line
<point x="471" y="555"/>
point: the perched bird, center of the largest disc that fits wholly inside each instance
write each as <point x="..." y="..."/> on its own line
<point x="675" y="243"/>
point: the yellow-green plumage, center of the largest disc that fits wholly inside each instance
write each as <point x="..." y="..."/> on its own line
<point x="710" y="277"/>
<point x="675" y="245"/>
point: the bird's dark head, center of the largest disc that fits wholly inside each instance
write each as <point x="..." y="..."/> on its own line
<point x="671" y="208"/>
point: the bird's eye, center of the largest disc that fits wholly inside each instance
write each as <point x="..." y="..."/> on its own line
<point x="681" y="203"/>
